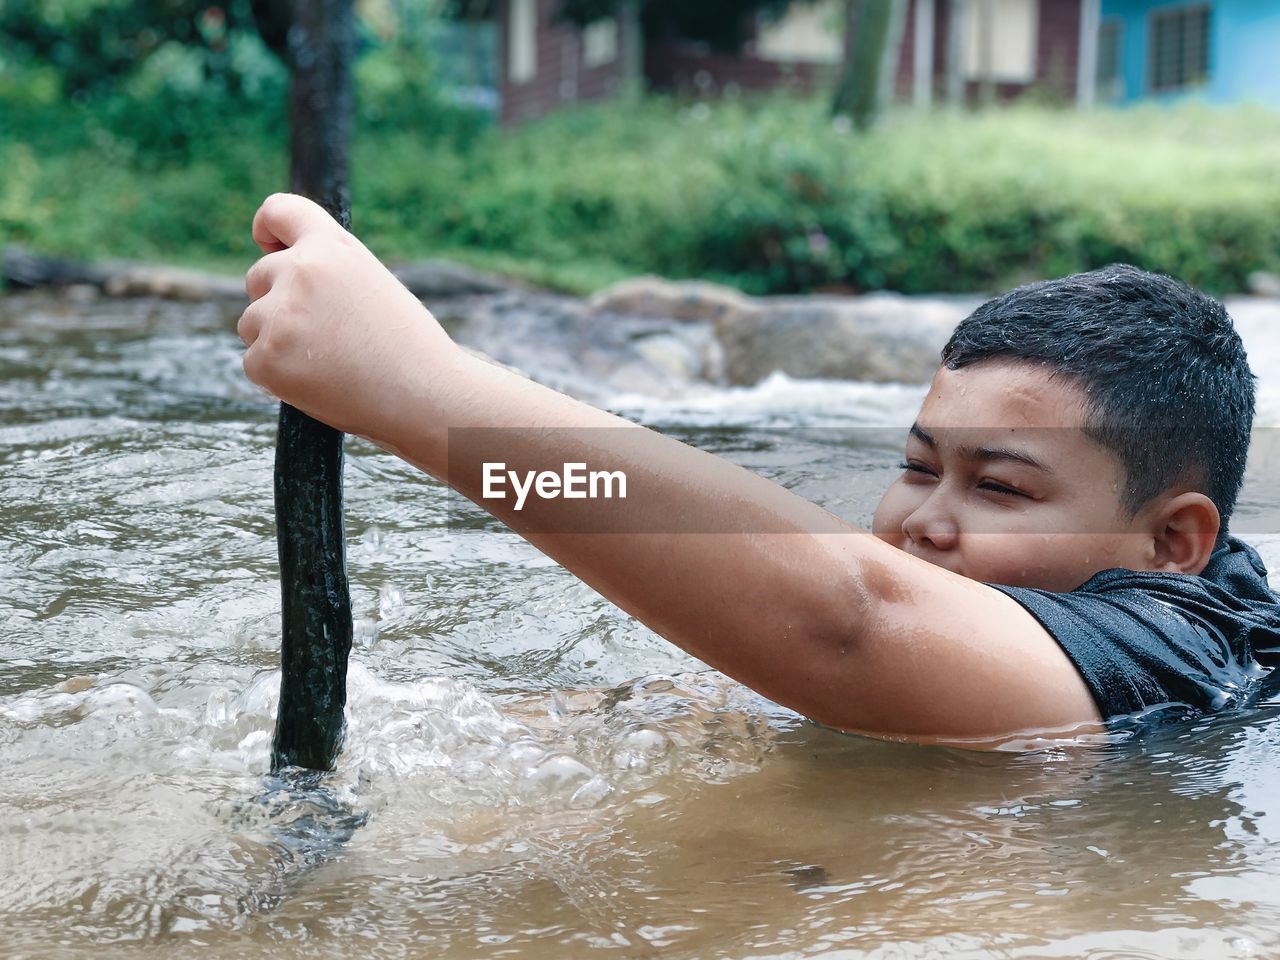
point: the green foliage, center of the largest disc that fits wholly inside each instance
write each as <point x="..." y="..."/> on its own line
<point x="22" y="213"/>
<point x="1008" y="195"/>
<point x="91" y="44"/>
<point x="772" y="196"/>
<point x="777" y="197"/>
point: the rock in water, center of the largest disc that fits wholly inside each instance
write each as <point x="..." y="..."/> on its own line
<point x="173" y="283"/>
<point x="878" y="338"/>
<point x="1263" y="284"/>
<point x="443" y="279"/>
<point x="687" y="300"/>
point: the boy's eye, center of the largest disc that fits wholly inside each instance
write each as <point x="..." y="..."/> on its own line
<point x="915" y="468"/>
<point x="985" y="485"/>
<point x="1001" y="488"/>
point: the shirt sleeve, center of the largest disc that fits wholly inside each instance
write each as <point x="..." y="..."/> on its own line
<point x="1138" y="648"/>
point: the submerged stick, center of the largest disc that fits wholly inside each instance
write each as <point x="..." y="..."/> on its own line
<point x="316" y="603"/>
<point x="316" y="39"/>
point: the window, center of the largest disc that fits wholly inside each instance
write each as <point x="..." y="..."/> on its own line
<point x="1000" y="40"/>
<point x="1110" y="75"/>
<point x="600" y="42"/>
<point x="1179" y="48"/>
<point x="522" y="41"/>
<point x="807" y="32"/>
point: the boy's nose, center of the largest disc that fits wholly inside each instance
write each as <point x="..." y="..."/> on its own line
<point x="928" y="526"/>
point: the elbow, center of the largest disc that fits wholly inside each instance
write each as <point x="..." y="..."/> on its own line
<point x="851" y="612"/>
<point x="836" y="650"/>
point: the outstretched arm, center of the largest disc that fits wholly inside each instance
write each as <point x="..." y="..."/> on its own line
<point x="774" y="591"/>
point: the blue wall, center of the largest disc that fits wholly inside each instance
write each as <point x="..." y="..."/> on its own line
<point x="1244" y="52"/>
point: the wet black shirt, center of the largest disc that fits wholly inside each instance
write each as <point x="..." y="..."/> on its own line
<point x="1142" y="639"/>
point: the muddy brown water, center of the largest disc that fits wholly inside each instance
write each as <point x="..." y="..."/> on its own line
<point x="541" y="776"/>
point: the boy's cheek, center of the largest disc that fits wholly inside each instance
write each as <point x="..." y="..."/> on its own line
<point x="886" y="522"/>
<point x="997" y="558"/>
<point x="1027" y="559"/>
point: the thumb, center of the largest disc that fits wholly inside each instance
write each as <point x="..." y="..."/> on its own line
<point x="285" y="218"/>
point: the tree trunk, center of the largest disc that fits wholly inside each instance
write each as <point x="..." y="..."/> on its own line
<point x="957" y="26"/>
<point x="892" y="52"/>
<point x="632" y="51"/>
<point x="861" y="88"/>
<point x="986" y="52"/>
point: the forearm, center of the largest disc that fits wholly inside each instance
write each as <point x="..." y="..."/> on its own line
<point x="732" y="567"/>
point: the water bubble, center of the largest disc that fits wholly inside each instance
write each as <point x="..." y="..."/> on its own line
<point x="649" y="686"/>
<point x="558" y="774"/>
<point x="590" y="794"/>
<point x="390" y="601"/>
<point x="522" y="756"/>
<point x="254" y="748"/>
<point x="41" y="707"/>
<point x="119" y="700"/>
<point x="373" y="540"/>
<point x="364" y="632"/>
<point x="639" y="749"/>
<point x="472" y="769"/>
<point x="217" y="708"/>
<point x="488" y="727"/>
<point x="1243" y="947"/>
<point x="260" y="697"/>
<point x="559" y="708"/>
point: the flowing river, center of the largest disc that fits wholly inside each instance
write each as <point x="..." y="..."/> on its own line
<point x="538" y="776"/>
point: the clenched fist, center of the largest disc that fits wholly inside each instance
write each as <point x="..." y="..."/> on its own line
<point x="329" y="329"/>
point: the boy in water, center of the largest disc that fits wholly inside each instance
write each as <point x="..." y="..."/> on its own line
<point x="1055" y="553"/>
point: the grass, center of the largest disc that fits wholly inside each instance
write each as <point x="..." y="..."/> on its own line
<point x="770" y="196"/>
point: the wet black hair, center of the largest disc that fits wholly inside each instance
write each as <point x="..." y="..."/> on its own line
<point x="1167" y="383"/>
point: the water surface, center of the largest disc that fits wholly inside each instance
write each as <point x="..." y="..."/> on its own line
<point x="539" y="775"/>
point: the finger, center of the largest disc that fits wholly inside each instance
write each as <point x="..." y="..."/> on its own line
<point x="261" y="277"/>
<point x="249" y="326"/>
<point x="253" y="366"/>
<point x="284" y="218"/>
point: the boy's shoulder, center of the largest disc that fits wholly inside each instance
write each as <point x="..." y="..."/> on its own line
<point x="1235" y="569"/>
<point x="1142" y="639"/>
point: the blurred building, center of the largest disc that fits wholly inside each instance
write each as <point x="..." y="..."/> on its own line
<point x="945" y="48"/>
<point x="1226" y="51"/>
<point x="967" y="50"/>
<point x="1066" y="51"/>
<point x="543" y="64"/>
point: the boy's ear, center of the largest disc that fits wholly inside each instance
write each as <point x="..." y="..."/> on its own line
<point x="1187" y="527"/>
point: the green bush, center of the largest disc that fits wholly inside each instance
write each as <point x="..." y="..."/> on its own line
<point x="771" y="196"/>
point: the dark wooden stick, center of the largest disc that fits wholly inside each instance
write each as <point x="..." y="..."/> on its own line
<point x="316" y="602"/>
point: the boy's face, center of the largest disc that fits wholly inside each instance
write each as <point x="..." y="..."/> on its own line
<point x="971" y="503"/>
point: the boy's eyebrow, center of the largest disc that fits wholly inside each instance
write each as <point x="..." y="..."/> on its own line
<point x="981" y="453"/>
